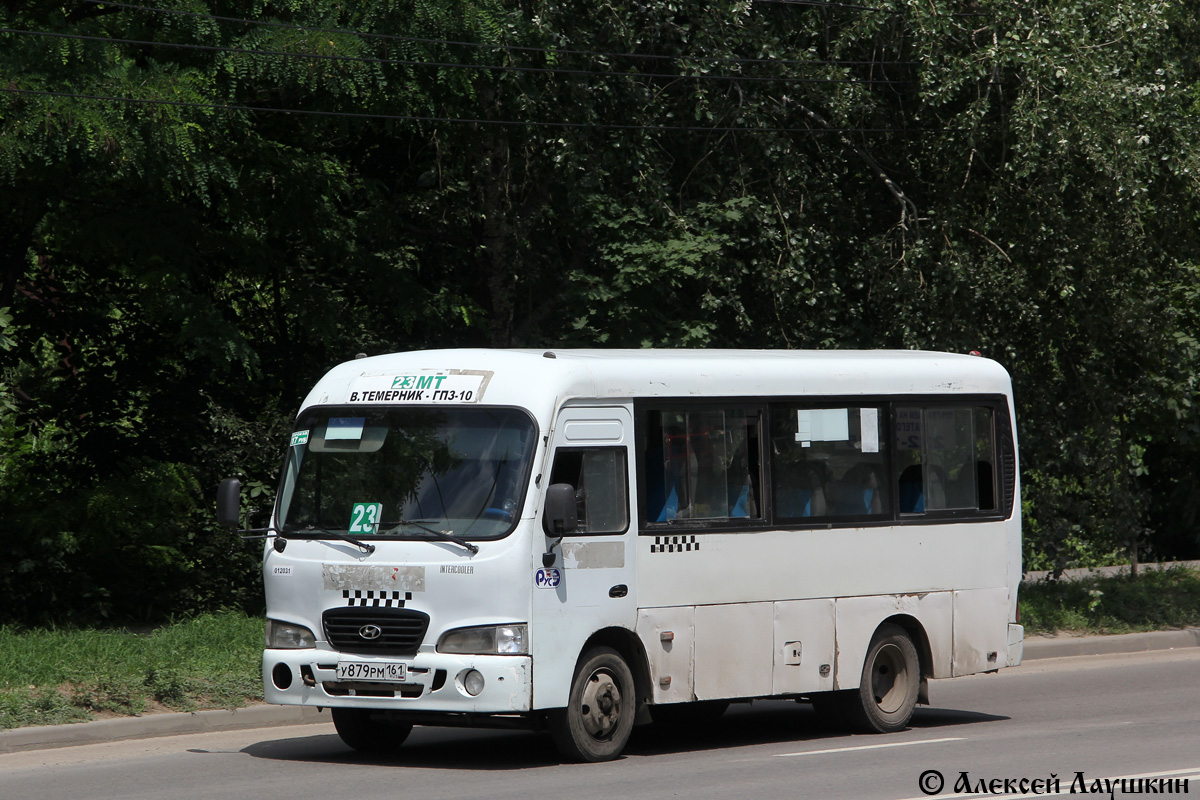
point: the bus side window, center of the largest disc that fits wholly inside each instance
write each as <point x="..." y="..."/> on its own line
<point x="985" y="455"/>
<point x="599" y="477"/>
<point x="702" y="464"/>
<point x="828" y="461"/>
<point x="945" y="456"/>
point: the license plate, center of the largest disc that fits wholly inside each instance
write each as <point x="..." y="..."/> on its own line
<point x="366" y="671"/>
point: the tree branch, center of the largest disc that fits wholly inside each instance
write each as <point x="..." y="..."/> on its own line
<point x="908" y="209"/>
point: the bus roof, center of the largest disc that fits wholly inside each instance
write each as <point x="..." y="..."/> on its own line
<point x="538" y="379"/>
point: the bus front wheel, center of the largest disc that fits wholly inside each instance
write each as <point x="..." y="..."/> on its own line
<point x="360" y="731"/>
<point x="598" y="718"/>
<point x="891" y="677"/>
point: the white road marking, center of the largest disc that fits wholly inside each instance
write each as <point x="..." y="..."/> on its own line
<point x="870" y="747"/>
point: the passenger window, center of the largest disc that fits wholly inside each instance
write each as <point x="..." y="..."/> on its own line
<point x="828" y="462"/>
<point x="599" y="477"/>
<point x="947" y="459"/>
<point x="702" y="464"/>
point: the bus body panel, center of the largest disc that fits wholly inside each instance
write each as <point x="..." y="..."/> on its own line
<point x="859" y="617"/>
<point x="733" y="650"/>
<point x="795" y="564"/>
<point x="668" y="636"/>
<point x="805" y="646"/>
<point x="980" y="630"/>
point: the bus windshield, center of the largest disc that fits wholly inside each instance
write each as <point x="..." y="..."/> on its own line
<point x="406" y="472"/>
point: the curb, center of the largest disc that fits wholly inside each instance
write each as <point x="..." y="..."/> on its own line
<point x="1042" y="575"/>
<point x="1037" y="647"/>
<point x="44" y="737"/>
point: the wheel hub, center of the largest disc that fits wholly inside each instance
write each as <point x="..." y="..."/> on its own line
<point x="889" y="679"/>
<point x="601" y="705"/>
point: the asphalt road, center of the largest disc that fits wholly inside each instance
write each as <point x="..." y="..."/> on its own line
<point x="1103" y="716"/>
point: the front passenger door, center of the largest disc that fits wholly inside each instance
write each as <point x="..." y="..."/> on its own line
<point x="589" y="585"/>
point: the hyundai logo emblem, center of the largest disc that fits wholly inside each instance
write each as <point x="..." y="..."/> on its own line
<point x="370" y="632"/>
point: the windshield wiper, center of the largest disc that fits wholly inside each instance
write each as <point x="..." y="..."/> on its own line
<point x="366" y="548"/>
<point x="445" y="536"/>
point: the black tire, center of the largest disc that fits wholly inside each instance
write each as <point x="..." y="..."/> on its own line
<point x="365" y="734"/>
<point x="679" y="715"/>
<point x="598" y="718"/>
<point x="891" y="676"/>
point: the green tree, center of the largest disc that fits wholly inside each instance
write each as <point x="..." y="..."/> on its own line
<point x="209" y="203"/>
<point x="184" y="268"/>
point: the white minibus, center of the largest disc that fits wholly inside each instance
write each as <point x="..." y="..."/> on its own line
<point x="577" y="541"/>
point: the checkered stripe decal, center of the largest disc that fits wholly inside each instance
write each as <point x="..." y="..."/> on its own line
<point x="674" y="544"/>
<point x="380" y="599"/>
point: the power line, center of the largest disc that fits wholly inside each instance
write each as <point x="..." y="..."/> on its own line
<point x="822" y="4"/>
<point x="438" y="64"/>
<point x="814" y="3"/>
<point x="505" y="47"/>
<point x="458" y="120"/>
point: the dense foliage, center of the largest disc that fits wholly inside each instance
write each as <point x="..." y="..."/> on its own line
<point x="207" y="203"/>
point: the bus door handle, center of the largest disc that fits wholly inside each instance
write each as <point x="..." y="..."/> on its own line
<point x="620" y="590"/>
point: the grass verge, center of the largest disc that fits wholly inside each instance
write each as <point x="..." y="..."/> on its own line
<point x="1156" y="599"/>
<point x="54" y="676"/>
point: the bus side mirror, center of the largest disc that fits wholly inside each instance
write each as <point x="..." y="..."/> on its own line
<point x="229" y="503"/>
<point x="560" y="516"/>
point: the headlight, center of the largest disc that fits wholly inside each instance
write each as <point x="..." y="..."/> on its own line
<point x="286" y="636"/>
<point x="505" y="640"/>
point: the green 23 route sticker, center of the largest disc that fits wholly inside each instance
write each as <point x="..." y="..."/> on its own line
<point x="364" y="517"/>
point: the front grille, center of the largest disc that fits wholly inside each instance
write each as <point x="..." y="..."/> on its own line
<point x="403" y="630"/>
<point x="405" y="690"/>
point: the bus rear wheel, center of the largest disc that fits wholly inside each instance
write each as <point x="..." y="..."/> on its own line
<point x="598" y="718"/>
<point x="365" y="734"/>
<point x="887" y="693"/>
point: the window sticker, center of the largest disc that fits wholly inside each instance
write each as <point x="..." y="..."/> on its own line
<point x="365" y="517"/>
<point x="822" y="425"/>
<point x="299" y="438"/>
<point x="350" y="428"/>
<point x="869" y="426"/>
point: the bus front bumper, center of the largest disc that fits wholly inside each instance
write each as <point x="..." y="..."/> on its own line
<point x="432" y="682"/>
